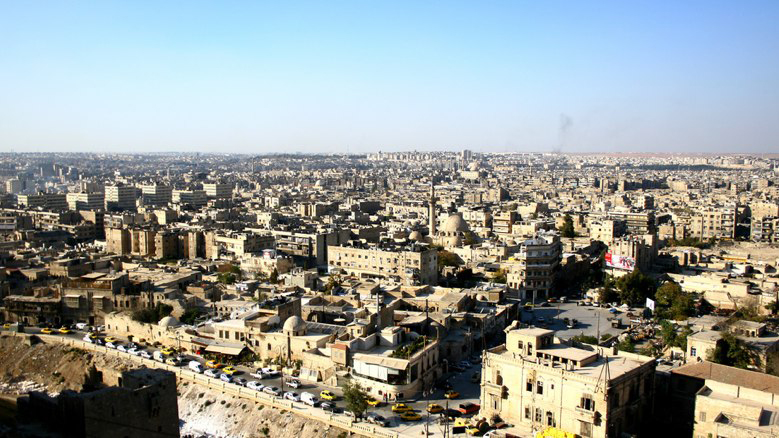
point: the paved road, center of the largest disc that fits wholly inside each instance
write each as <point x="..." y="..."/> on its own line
<point x="461" y="382"/>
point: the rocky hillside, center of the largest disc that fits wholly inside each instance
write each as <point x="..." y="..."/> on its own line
<point x="54" y="367"/>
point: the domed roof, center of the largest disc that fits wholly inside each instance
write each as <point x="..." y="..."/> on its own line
<point x="416" y="236"/>
<point x="168" y="321"/>
<point x="455" y="224"/>
<point x="294" y="324"/>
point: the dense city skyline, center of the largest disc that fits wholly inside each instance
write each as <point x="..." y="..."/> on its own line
<point x="348" y="77"/>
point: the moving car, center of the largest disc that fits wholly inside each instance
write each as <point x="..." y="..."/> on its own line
<point x="87" y="339"/>
<point x="327" y="395"/>
<point x="64" y="330"/>
<point x="469" y="408"/>
<point x="110" y="339"/>
<point x="434" y="408"/>
<point x="213" y="364"/>
<point x="47" y="331"/>
<point x="167" y="351"/>
<point x="451" y="394"/>
<point x="401" y="407"/>
<point x="239" y="381"/>
<point x="372" y="401"/>
<point x="330" y="407"/>
<point x="121" y="347"/>
<point x="229" y="370"/>
<point x="410" y="416"/>
<point x="81" y="326"/>
<point x="289" y="395"/>
<point x="294" y="383"/>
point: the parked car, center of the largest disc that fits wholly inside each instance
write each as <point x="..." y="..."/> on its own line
<point x="465" y="364"/>
<point x="211" y="373"/>
<point x="401" y="407"/>
<point x="88" y="340"/>
<point x="289" y="395"/>
<point x="309" y="399"/>
<point x="330" y="407"/>
<point x="134" y="351"/>
<point x="451" y="394"/>
<point x="81" y="326"/>
<point x="257" y="386"/>
<point x="229" y="370"/>
<point x="225" y="378"/>
<point x="377" y="420"/>
<point x="145" y="354"/>
<point x="174" y="361"/>
<point x="121" y="348"/>
<point x="434" y="408"/>
<point x="294" y="383"/>
<point x="327" y="395"/>
<point x="272" y="390"/>
<point x="239" y="381"/>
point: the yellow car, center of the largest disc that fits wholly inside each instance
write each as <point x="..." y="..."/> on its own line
<point x="64" y="330"/>
<point x="372" y="401"/>
<point x="229" y="370"/>
<point x="93" y="336"/>
<point x="167" y="351"/>
<point x="451" y="394"/>
<point x="6" y="326"/>
<point x="47" y="331"/>
<point x="410" y="416"/>
<point x="327" y="395"/>
<point x="401" y="407"/>
<point x="434" y="408"/>
<point x="172" y="361"/>
<point x="213" y="364"/>
<point x="110" y="339"/>
<point x="473" y="431"/>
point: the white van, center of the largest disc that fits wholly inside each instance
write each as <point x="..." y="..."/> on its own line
<point x="195" y="366"/>
<point x="309" y="399"/>
<point x="157" y="355"/>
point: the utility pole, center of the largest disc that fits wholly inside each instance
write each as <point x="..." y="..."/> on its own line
<point x="598" y="330"/>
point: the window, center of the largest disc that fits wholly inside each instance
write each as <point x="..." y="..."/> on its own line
<point x="539" y="414"/>
<point x="529" y="385"/>
<point x="539" y="387"/>
<point x="527" y="412"/>
<point x="692" y="351"/>
<point x="585" y="429"/>
<point x="549" y="419"/>
<point x="587" y="403"/>
<point x="702" y="416"/>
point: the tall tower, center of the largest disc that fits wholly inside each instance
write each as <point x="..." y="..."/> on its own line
<point x="431" y="214"/>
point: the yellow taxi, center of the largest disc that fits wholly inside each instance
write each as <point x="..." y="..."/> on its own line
<point x="110" y="339"/>
<point x="410" y="416"/>
<point x="327" y="395"/>
<point x="167" y="351"/>
<point x="172" y="361"/>
<point x="47" y="331"/>
<point x="401" y="407"/>
<point x="213" y="364"/>
<point x="451" y="394"/>
<point x="92" y="335"/>
<point x="372" y="401"/>
<point x="434" y="408"/>
<point x="6" y="326"/>
<point x="64" y="330"/>
<point x="229" y="370"/>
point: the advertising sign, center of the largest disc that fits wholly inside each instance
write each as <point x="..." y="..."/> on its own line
<point x="620" y="262"/>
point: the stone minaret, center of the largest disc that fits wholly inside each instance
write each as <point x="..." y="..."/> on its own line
<point x="432" y="212"/>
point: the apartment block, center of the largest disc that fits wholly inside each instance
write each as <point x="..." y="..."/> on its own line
<point x="531" y="271"/>
<point x="86" y="201"/>
<point x="120" y="197"/>
<point x="412" y="264"/>
<point x="218" y="190"/>
<point x="535" y="381"/>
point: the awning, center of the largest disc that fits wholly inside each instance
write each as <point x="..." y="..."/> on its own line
<point x="228" y="349"/>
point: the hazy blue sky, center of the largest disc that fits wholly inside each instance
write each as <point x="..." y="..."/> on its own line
<point x="367" y="75"/>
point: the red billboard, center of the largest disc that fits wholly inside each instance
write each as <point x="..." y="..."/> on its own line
<point x="620" y="262"/>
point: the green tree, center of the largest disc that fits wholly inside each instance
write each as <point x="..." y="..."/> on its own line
<point x="627" y="345"/>
<point x="274" y="276"/>
<point x="635" y="288"/>
<point x="567" y="229"/>
<point x="470" y="238"/>
<point x="734" y="352"/>
<point x="226" y="278"/>
<point x="152" y="315"/>
<point x="607" y="294"/>
<point x="190" y="315"/>
<point x="772" y="307"/>
<point x="586" y="339"/>
<point x="447" y="258"/>
<point x="673" y="302"/>
<point x="334" y="281"/>
<point x="356" y="398"/>
<point x="500" y="276"/>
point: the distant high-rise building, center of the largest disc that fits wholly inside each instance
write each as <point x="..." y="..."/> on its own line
<point x="120" y="197"/>
<point x="218" y="190"/>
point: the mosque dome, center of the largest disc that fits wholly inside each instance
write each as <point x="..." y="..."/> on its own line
<point x="168" y="321"/>
<point x="416" y="236"/>
<point x="455" y="224"/>
<point x="295" y="325"/>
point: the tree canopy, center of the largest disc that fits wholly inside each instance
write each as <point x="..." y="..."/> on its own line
<point x="635" y="288"/>
<point x="673" y="303"/>
<point x="356" y="398"/>
<point x="567" y="230"/>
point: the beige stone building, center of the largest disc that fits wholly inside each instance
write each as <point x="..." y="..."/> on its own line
<point x="412" y="264"/>
<point x="531" y="271"/>
<point x="535" y="381"/>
